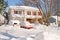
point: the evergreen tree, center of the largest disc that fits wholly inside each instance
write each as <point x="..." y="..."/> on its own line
<point x="3" y="5"/>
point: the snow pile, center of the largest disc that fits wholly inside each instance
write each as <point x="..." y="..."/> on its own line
<point x="29" y="38"/>
<point x="24" y="8"/>
<point x="51" y="36"/>
<point x="41" y="32"/>
<point x="3" y="37"/>
<point x="1" y="19"/>
<point x="14" y="39"/>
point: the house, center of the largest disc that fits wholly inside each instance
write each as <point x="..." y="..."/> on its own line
<point x="25" y="13"/>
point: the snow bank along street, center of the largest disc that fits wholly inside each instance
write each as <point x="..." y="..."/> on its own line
<point x="41" y="32"/>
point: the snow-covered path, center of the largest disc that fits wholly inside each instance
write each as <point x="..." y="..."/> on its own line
<point x="8" y="32"/>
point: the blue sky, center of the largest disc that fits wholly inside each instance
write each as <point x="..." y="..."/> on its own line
<point x="12" y="2"/>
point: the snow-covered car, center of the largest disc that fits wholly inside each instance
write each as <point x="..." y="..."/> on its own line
<point x="26" y="24"/>
<point x="14" y="22"/>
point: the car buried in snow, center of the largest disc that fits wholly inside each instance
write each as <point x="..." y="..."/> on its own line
<point x="26" y="24"/>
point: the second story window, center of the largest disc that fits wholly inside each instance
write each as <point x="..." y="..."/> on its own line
<point x="20" y="12"/>
<point x="28" y="13"/>
<point x="34" y="13"/>
<point x="16" y="12"/>
<point x="39" y="13"/>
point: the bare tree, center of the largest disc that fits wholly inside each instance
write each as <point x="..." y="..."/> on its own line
<point x="51" y="6"/>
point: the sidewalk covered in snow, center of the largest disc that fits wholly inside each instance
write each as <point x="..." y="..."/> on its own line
<point x="8" y="32"/>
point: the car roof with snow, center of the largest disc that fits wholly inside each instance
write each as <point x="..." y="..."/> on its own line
<point x="14" y="21"/>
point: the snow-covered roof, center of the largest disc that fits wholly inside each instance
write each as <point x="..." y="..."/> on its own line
<point x="56" y="17"/>
<point x="24" y="8"/>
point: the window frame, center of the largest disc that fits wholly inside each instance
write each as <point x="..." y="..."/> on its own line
<point x="34" y="13"/>
<point x="28" y="12"/>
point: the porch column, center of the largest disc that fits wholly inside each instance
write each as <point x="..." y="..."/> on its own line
<point x="12" y="11"/>
<point x="24" y="14"/>
<point x="11" y="14"/>
<point x="37" y="16"/>
<point x="31" y="12"/>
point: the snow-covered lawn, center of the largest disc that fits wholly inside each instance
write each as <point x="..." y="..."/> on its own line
<point x="41" y="32"/>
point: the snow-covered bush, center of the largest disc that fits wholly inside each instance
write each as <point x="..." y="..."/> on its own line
<point x="1" y="19"/>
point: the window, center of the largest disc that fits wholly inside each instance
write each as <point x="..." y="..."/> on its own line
<point x="15" y="12"/>
<point x="39" y="13"/>
<point x="28" y="13"/>
<point x="20" y="12"/>
<point x="34" y="13"/>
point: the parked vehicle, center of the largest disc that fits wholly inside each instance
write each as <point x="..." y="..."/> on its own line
<point x="14" y="23"/>
<point x="26" y="24"/>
